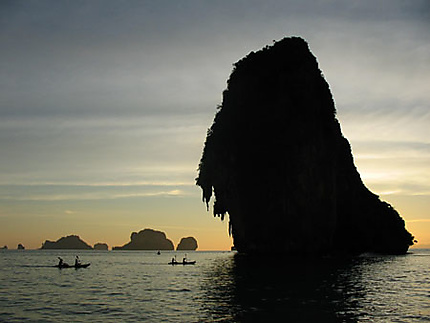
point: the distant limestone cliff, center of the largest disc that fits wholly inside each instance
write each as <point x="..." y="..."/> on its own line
<point x="278" y="164"/>
<point x="101" y="246"/>
<point x="189" y="243"/>
<point x="69" y="242"/>
<point x="147" y="239"/>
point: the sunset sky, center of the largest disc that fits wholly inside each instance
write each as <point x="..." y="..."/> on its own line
<point x="104" y="107"/>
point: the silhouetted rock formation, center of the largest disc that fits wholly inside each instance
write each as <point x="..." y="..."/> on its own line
<point x="69" y="242"/>
<point x="20" y="247"/>
<point x="147" y="239"/>
<point x="278" y="163"/>
<point x="188" y="243"/>
<point x="101" y="246"/>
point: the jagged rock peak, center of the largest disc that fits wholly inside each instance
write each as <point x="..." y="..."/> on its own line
<point x="278" y="164"/>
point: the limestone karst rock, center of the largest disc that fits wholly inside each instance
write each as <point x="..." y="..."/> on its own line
<point x="147" y="239"/>
<point x="101" y="246"/>
<point x="69" y="242"/>
<point x="188" y="243"/>
<point x="278" y="164"/>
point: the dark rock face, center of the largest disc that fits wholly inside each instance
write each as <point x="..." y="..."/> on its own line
<point x="188" y="243"/>
<point x="147" y="239"/>
<point x="278" y="164"/>
<point x="69" y="242"/>
<point x="101" y="246"/>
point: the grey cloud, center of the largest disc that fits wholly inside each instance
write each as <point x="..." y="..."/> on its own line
<point x="100" y="57"/>
<point x="98" y="150"/>
<point x="94" y="88"/>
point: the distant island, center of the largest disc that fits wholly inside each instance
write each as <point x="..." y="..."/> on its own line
<point x="188" y="243"/>
<point x="20" y="246"/>
<point x="69" y="242"/>
<point x="101" y="246"/>
<point x="147" y="239"/>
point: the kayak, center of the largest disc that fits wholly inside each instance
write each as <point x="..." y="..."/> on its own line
<point x="72" y="266"/>
<point x="182" y="263"/>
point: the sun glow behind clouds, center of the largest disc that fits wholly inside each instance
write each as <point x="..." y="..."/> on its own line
<point x="56" y="193"/>
<point x="392" y="154"/>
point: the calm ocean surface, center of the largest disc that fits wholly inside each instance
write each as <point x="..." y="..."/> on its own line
<point x="139" y="286"/>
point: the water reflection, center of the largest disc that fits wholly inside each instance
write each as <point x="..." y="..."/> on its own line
<point x="244" y="289"/>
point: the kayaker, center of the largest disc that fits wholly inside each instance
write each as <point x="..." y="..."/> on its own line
<point x="61" y="262"/>
<point x="77" y="261"/>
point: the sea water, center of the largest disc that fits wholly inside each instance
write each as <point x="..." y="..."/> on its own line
<point x="139" y="286"/>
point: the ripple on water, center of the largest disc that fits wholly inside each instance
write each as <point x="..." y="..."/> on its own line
<point x="139" y="286"/>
